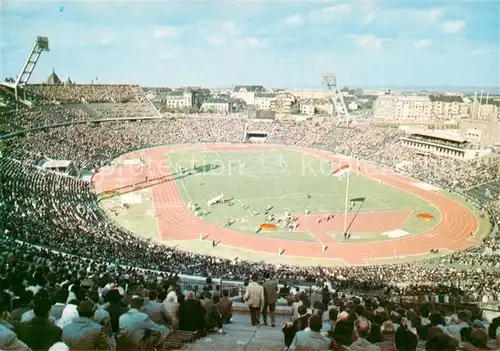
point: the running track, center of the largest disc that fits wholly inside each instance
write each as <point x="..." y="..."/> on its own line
<point x="177" y="222"/>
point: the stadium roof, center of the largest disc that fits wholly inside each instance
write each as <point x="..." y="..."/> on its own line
<point x="442" y="135"/>
<point x="56" y="164"/>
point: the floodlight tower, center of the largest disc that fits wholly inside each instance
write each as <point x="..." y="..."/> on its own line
<point x="41" y="45"/>
<point x="335" y="95"/>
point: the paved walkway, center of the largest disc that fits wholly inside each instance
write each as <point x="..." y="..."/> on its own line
<point x="241" y="335"/>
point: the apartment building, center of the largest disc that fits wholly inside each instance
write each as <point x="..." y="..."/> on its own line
<point x="402" y="107"/>
<point x="180" y="99"/>
<point x="221" y="106"/>
<point x="264" y="101"/>
<point x="247" y="93"/>
<point x="307" y="107"/>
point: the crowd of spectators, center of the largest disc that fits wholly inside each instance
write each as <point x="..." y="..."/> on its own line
<point x="86" y="93"/>
<point x="55" y="235"/>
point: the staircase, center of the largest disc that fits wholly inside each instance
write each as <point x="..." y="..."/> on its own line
<point x="176" y="339"/>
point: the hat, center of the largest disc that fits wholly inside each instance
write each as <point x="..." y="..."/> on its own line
<point x="86" y="306"/>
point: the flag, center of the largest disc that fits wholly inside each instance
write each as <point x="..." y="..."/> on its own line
<point x="339" y="172"/>
<point x="358" y="199"/>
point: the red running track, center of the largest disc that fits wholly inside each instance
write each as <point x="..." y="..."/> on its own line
<point x="177" y="222"/>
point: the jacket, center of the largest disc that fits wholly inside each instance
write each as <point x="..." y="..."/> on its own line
<point x="270" y="291"/>
<point x="135" y="326"/>
<point x="85" y="334"/>
<point x="254" y="296"/>
<point x="10" y="342"/>
<point x="39" y="333"/>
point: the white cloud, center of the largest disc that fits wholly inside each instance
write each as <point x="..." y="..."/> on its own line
<point x="107" y="38"/>
<point x="331" y="12"/>
<point x="368" y="41"/>
<point x="253" y="42"/>
<point x="230" y="28"/>
<point x="165" y="32"/>
<point x="422" y="44"/>
<point x="167" y="55"/>
<point x="217" y="41"/>
<point x="295" y="21"/>
<point x="433" y="14"/>
<point x="452" y="27"/>
<point x="369" y="18"/>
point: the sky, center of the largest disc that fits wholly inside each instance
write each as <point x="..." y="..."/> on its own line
<point x="282" y="44"/>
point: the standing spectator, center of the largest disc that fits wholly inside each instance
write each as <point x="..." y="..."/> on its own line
<point x="138" y="331"/>
<point x="83" y="333"/>
<point x="311" y="339"/>
<point x="225" y="306"/>
<point x="40" y="333"/>
<point x="388" y="332"/>
<point x="270" y="298"/>
<point x="254" y="297"/>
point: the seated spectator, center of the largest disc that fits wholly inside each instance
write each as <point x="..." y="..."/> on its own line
<point x="362" y="328"/>
<point x="10" y="342"/>
<point x="115" y="308"/>
<point x="342" y="335"/>
<point x="331" y="319"/>
<point x="39" y="333"/>
<point x="83" y="333"/>
<point x="225" y="307"/>
<point x="138" y="331"/>
<point x="171" y="306"/>
<point x="388" y="333"/>
<point x="441" y="342"/>
<point x="192" y="315"/>
<point x="459" y="321"/>
<point x="156" y="310"/>
<point x="311" y="338"/>
<point x="60" y="298"/>
<point x="405" y="340"/>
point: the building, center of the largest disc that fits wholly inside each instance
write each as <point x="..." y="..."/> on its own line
<point x="482" y="133"/>
<point x="324" y="106"/>
<point x="247" y="93"/>
<point x="309" y="93"/>
<point x="217" y="106"/>
<point x="449" y="107"/>
<point x="449" y="144"/>
<point x="285" y="103"/>
<point x="53" y="79"/>
<point x="307" y="107"/>
<point x="403" y="108"/>
<point x="263" y="101"/>
<point x="179" y="99"/>
<point x="485" y="111"/>
<point x="352" y="106"/>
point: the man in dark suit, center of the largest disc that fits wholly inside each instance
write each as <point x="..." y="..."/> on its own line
<point x="192" y="315"/>
<point x="39" y="333"/>
<point x="225" y="306"/>
<point x="270" y="298"/>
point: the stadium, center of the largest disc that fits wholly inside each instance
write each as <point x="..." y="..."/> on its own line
<point x="101" y="188"/>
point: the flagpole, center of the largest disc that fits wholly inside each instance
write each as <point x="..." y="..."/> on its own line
<point x="346" y="201"/>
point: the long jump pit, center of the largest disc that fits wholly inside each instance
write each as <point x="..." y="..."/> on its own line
<point x="280" y="205"/>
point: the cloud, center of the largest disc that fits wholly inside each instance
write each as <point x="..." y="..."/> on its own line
<point x="295" y="21"/>
<point x="368" y="41"/>
<point x="369" y="18"/>
<point x="107" y="39"/>
<point x="331" y="12"/>
<point x="216" y="41"/>
<point x="422" y="44"/>
<point x="453" y="27"/>
<point x="164" y="32"/>
<point x="230" y="28"/>
<point x="167" y="55"/>
<point x="252" y="42"/>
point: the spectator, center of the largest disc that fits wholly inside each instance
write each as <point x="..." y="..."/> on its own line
<point x="84" y="334"/>
<point x="40" y="333"/>
<point x="225" y="307"/>
<point x="311" y="339"/>
<point x="138" y="331"/>
<point x="270" y="298"/>
<point x="362" y="330"/>
<point x="388" y="332"/>
<point x="156" y="310"/>
<point x="254" y="297"/>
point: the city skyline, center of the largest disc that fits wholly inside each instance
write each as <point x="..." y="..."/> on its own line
<point x="275" y="44"/>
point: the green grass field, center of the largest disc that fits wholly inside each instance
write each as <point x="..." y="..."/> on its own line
<point x="283" y="179"/>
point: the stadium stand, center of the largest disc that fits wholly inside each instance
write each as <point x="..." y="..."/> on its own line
<point x="63" y="260"/>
